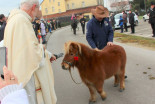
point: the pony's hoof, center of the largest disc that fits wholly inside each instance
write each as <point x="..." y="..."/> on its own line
<point x="92" y="102"/>
<point x="116" y="85"/>
<point x="103" y="99"/>
<point x="121" y="90"/>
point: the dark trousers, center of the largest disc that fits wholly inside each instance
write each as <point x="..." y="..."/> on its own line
<point x="83" y="29"/>
<point x="74" y="31"/>
<point x="121" y="28"/>
<point x="44" y="38"/>
<point x="132" y="28"/>
<point x="153" y="29"/>
<point x="125" y="27"/>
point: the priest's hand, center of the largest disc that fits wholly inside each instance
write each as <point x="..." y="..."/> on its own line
<point x="9" y="78"/>
<point x="110" y="43"/>
<point x="53" y="58"/>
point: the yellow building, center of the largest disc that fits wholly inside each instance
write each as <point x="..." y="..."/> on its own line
<point x="58" y="8"/>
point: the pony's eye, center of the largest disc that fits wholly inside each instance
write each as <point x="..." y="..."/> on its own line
<point x="71" y="54"/>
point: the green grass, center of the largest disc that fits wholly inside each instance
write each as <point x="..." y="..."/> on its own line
<point x="140" y="17"/>
<point x="146" y="42"/>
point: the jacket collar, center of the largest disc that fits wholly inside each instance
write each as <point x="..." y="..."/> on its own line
<point x="94" y="19"/>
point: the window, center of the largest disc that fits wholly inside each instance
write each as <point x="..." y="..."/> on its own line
<point x="83" y="4"/>
<point x="46" y="10"/>
<point x="58" y="3"/>
<point x="67" y="6"/>
<point x="59" y="10"/>
<point x="49" y="0"/>
<point x="73" y="6"/>
<point x="53" y="9"/>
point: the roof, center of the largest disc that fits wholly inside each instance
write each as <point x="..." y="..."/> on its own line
<point x="70" y="12"/>
<point x="119" y="3"/>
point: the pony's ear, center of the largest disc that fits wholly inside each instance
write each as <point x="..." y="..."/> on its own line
<point x="75" y="46"/>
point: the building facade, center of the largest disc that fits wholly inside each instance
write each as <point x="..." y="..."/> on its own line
<point x="60" y="8"/>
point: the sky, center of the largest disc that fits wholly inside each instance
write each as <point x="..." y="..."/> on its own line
<point x="7" y="5"/>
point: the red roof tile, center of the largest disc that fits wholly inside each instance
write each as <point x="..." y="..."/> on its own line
<point x="70" y="12"/>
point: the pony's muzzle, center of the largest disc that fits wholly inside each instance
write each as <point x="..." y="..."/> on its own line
<point x="65" y="66"/>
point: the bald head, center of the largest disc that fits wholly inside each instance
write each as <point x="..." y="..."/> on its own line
<point x="27" y="4"/>
<point x="31" y="7"/>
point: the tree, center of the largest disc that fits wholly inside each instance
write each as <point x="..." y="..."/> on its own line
<point x="140" y="5"/>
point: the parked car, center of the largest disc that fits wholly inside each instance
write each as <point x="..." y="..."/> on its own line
<point x="145" y="17"/>
<point x="117" y="18"/>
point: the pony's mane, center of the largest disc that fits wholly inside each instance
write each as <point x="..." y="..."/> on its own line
<point x="68" y="44"/>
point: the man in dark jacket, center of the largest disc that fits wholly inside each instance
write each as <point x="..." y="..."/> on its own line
<point x="36" y="26"/>
<point x="99" y="30"/>
<point x="132" y="22"/>
<point x="125" y="21"/>
<point x="83" y="22"/>
<point x="2" y="26"/>
<point x="152" y="18"/>
<point x="74" y="23"/>
<point x="113" y="22"/>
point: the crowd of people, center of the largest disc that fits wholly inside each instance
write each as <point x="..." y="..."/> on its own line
<point x="29" y="62"/>
<point x="75" y="21"/>
<point x="42" y="27"/>
<point x="130" y="18"/>
<point x="123" y="21"/>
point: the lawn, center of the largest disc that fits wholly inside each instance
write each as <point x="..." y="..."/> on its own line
<point x="146" y="42"/>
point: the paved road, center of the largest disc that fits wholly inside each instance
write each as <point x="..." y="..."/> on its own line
<point x="139" y="88"/>
<point x="143" y="29"/>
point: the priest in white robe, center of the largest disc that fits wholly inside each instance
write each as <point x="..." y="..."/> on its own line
<point x="28" y="59"/>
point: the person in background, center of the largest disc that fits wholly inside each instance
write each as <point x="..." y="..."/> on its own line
<point x="121" y="24"/>
<point x="54" y="24"/>
<point x="36" y="26"/>
<point x="2" y="26"/>
<point x="132" y="22"/>
<point x="74" y="23"/>
<point x="112" y="21"/>
<point x="49" y="26"/>
<point x="73" y="16"/>
<point x="136" y="12"/>
<point x="152" y="18"/>
<point x="83" y="23"/>
<point x="43" y="31"/>
<point x="125" y="21"/>
<point x="10" y="90"/>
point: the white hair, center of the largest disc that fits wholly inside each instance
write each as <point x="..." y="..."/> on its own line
<point x="27" y="4"/>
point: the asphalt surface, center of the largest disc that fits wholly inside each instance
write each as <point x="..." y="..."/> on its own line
<point x="140" y="65"/>
<point x="2" y="59"/>
<point x="143" y="29"/>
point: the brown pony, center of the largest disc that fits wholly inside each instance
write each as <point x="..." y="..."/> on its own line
<point x="95" y="66"/>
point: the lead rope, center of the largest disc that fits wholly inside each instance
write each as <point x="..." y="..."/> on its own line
<point x="73" y="78"/>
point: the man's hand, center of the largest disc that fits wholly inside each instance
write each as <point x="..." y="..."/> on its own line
<point x="9" y="78"/>
<point x="96" y="49"/>
<point x="53" y="58"/>
<point x="110" y="43"/>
